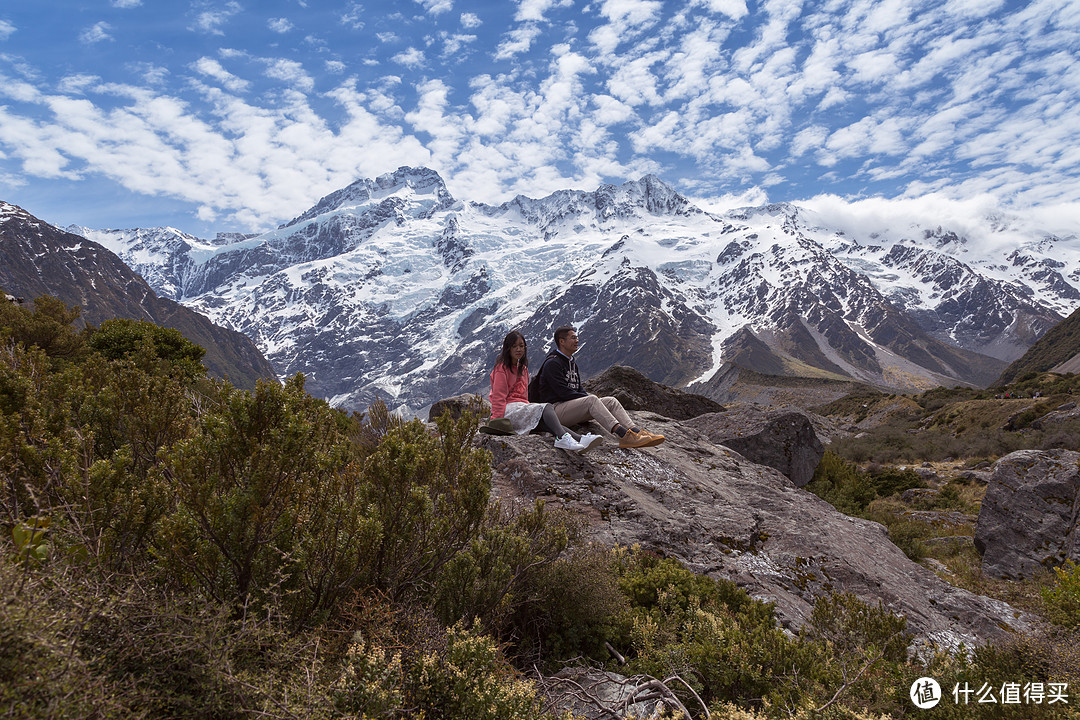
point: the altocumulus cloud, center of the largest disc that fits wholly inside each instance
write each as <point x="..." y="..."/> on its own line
<point x="845" y="98"/>
<point x="96" y="33"/>
<point x="280" y="25"/>
<point x="211" y="21"/>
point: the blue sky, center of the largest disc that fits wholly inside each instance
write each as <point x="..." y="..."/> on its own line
<point x="236" y="115"/>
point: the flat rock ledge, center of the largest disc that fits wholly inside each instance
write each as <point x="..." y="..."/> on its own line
<point x="726" y="517"/>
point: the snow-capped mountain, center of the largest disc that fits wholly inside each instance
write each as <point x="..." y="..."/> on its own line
<point x="392" y="288"/>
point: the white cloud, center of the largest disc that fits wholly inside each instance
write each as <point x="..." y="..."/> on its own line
<point x="453" y="43"/>
<point x="868" y="135"/>
<point x="151" y="74"/>
<point x="410" y="58"/>
<point x="96" y="33"/>
<point x="517" y="41"/>
<point x="126" y="4"/>
<point x="750" y="197"/>
<point x="212" y="68"/>
<point x="697" y="59"/>
<point x="985" y="219"/>
<point x="291" y="72"/>
<point x="251" y="165"/>
<point x="610" y="111"/>
<point x="279" y="25"/>
<point x="734" y="9"/>
<point x="353" y="16"/>
<point x="210" y="21"/>
<point x="436" y="6"/>
<point x="807" y="139"/>
<point x="633" y="13"/>
<point x="894" y="96"/>
<point x="635" y="83"/>
<point x="430" y="117"/>
<point x="535" y="10"/>
<point x="625" y="20"/>
<point x="77" y="84"/>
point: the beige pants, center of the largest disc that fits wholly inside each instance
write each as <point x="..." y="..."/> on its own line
<point x="605" y="410"/>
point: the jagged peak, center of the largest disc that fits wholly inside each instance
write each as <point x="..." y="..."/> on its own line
<point x="10" y="210"/>
<point x="419" y="179"/>
<point x="789" y="211"/>
<point x="648" y="193"/>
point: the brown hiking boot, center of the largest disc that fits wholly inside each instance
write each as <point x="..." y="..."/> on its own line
<point x="635" y="439"/>
<point x="654" y="438"/>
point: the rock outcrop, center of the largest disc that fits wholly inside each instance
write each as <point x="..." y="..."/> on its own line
<point x="785" y="441"/>
<point x="1029" y="518"/>
<point x="637" y="392"/>
<point x="722" y="515"/>
<point x="457" y="406"/>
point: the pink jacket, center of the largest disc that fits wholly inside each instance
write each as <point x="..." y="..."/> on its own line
<point x="507" y="387"/>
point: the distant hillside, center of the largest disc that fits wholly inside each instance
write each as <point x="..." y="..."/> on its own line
<point x="38" y="259"/>
<point x="1058" y="350"/>
<point x="734" y="383"/>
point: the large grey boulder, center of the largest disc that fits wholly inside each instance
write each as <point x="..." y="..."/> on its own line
<point x="727" y="517"/>
<point x="785" y="441"/>
<point x="458" y="406"/>
<point x="1028" y="520"/>
<point x="637" y="392"/>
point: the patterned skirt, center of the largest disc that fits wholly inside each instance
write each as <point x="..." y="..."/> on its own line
<point x="523" y="416"/>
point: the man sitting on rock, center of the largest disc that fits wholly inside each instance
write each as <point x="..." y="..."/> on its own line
<point x="559" y="383"/>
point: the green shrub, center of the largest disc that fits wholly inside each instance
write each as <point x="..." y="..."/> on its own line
<point x="74" y="644"/>
<point x="469" y="679"/>
<point x="723" y="643"/>
<point x="120" y="338"/>
<point x="841" y="484"/>
<point x="1062" y="599"/>
<point x="48" y="327"/>
<point x="82" y="444"/>
<point x="428" y="495"/>
<point x="889" y="481"/>
<point x="269" y="504"/>
<point x="496" y="575"/>
<point x="572" y="608"/>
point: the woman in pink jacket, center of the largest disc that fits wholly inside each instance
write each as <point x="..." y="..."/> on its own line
<point x="510" y="398"/>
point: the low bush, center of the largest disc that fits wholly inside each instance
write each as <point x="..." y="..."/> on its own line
<point x="469" y="679"/>
<point x="1062" y="599"/>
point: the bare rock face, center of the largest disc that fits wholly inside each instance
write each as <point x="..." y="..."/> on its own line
<point x="637" y="392"/>
<point x="722" y="515"/>
<point x="785" y="441"/>
<point x="1030" y="516"/>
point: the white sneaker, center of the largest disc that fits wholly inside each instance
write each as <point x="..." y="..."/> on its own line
<point x="566" y="442"/>
<point x="589" y="441"/>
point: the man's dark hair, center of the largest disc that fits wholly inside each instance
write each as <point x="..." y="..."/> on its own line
<point x="561" y="332"/>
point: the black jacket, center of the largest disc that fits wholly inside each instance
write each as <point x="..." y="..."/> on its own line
<point x="558" y="379"/>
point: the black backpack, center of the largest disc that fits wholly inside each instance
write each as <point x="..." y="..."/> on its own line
<point x="534" y="386"/>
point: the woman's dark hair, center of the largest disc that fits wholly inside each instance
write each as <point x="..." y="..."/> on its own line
<point x="508" y="342"/>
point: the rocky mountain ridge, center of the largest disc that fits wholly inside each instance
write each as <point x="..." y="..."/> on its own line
<point x="393" y="289"/>
<point x="38" y="259"/>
